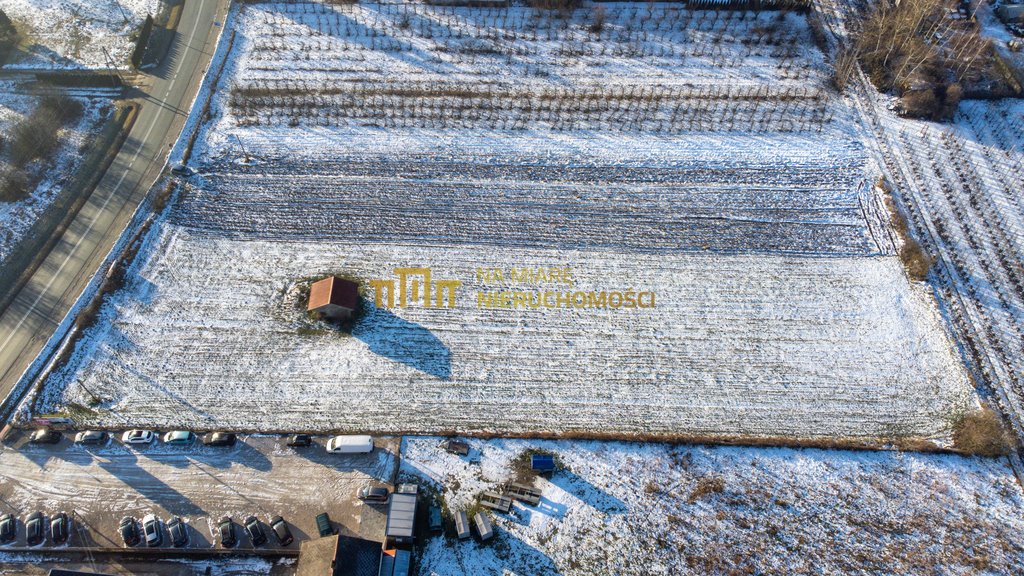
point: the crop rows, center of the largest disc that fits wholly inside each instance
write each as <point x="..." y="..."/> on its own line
<point x="653" y="69"/>
<point x="970" y="183"/>
<point x="810" y="207"/>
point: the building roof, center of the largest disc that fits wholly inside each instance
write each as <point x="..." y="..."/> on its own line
<point x="333" y="290"/>
<point x="338" y="556"/>
<point x="401" y="516"/>
<point x="316" y="557"/>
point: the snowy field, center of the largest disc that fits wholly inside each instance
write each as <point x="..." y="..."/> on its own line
<point x="75" y="33"/>
<point x="967" y="183"/>
<point x="618" y="508"/>
<point x="737" y="345"/>
<point x="780" y="310"/>
<point x="17" y="218"/>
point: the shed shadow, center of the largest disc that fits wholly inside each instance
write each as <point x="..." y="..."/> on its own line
<point x="395" y="338"/>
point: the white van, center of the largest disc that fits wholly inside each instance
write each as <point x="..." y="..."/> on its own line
<point x="356" y="444"/>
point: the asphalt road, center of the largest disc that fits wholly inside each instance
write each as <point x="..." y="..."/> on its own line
<point x="258" y="476"/>
<point x="44" y="301"/>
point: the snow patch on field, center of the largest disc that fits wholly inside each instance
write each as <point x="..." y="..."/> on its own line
<point x="642" y="509"/>
<point x="74" y="33"/>
<point x="206" y="335"/>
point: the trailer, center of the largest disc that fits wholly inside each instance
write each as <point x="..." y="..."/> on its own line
<point x="483" y="526"/>
<point x="457" y="447"/>
<point x="496" y="501"/>
<point x="461" y="525"/>
<point x="523" y="493"/>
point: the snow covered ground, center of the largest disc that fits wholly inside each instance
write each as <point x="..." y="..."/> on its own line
<point x="208" y="334"/>
<point x="75" y="33"/>
<point x="17" y="218"/>
<point x="621" y="508"/>
<point x="780" y="310"/>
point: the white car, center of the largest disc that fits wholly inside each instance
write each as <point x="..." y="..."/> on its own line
<point x="354" y="444"/>
<point x="179" y="438"/>
<point x="151" y="530"/>
<point x="138" y="437"/>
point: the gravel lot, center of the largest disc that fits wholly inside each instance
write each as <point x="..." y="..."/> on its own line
<point x="259" y="476"/>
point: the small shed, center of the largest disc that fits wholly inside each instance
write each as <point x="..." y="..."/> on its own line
<point x="333" y="298"/>
<point x="401" y="523"/>
<point x="483" y="526"/>
<point x="543" y="463"/>
<point x="461" y="525"/>
<point x="395" y="563"/>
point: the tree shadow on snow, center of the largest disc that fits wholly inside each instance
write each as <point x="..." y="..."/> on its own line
<point x="395" y="338"/>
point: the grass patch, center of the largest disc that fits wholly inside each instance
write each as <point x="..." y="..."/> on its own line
<point x="982" y="433"/>
<point x="706" y="487"/>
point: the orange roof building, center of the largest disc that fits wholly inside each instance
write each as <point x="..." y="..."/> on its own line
<point x="333" y="298"/>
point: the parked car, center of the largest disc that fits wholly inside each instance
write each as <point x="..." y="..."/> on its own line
<point x="256" y="535"/>
<point x="436" y="524"/>
<point x="8" y="528"/>
<point x="60" y="528"/>
<point x="181" y="170"/>
<point x="92" y="437"/>
<point x="352" y="444"/>
<point x="280" y="528"/>
<point x="179" y="532"/>
<point x="323" y="524"/>
<point x="300" y="440"/>
<point x="138" y="437"/>
<point x="373" y="493"/>
<point x="227" y="532"/>
<point x="45" y="436"/>
<point x="220" y="439"/>
<point x="129" y="531"/>
<point x="179" y="438"/>
<point x="151" y="529"/>
<point x="35" y="532"/>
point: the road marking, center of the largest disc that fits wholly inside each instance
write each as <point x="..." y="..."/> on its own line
<point x="103" y="207"/>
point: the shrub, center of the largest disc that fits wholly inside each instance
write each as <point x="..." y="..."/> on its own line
<point x="915" y="259"/>
<point x="65" y="108"/>
<point x="8" y="37"/>
<point x="14" y="184"/>
<point x="34" y="137"/>
<point x="982" y="432"/>
<point x="597" y="19"/>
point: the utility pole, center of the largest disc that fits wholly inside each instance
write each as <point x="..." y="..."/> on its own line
<point x="113" y="66"/>
<point x="244" y="153"/>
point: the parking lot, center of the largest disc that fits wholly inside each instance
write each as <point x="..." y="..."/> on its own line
<point x="259" y="476"/>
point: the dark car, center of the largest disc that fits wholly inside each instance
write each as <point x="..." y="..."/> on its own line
<point x="8" y="528"/>
<point x="219" y="439"/>
<point x="179" y="532"/>
<point x="60" y="528"/>
<point x="227" y="532"/>
<point x="256" y="535"/>
<point x="300" y="440"/>
<point x="129" y="531"/>
<point x="373" y="494"/>
<point x="280" y="528"/>
<point x="45" y="436"/>
<point x="34" y="530"/>
<point x="181" y="170"/>
<point x="151" y="530"/>
<point x="323" y="524"/>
